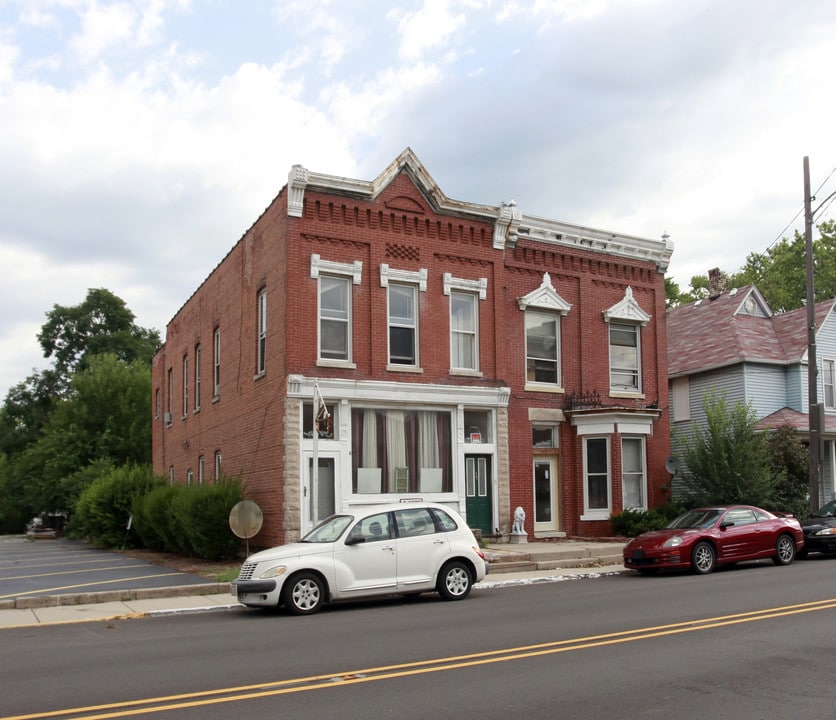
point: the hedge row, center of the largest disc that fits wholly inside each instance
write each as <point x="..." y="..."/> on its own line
<point x="131" y="507"/>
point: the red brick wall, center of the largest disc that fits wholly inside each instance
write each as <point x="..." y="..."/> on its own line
<point x="398" y="228"/>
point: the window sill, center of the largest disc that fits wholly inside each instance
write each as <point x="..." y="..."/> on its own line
<point x="215" y="399"/>
<point x="633" y="394"/>
<point x="259" y="375"/>
<point x="466" y="373"/>
<point x="543" y="387"/>
<point x="595" y="515"/>
<point x="405" y="369"/>
<point x="336" y="364"/>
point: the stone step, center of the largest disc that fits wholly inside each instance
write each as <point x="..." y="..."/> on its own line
<point x="554" y="559"/>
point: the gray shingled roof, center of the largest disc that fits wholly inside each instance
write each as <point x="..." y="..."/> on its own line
<point x="713" y="333"/>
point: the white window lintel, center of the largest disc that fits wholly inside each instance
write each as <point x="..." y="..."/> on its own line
<point x="453" y="283"/>
<point x="416" y="277"/>
<point x="353" y="270"/>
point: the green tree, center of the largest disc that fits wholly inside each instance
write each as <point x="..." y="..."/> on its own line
<point x="781" y="272"/>
<point x="789" y="460"/>
<point x="727" y="461"/>
<point x="27" y="409"/>
<point x="106" y="417"/>
<point x="100" y="324"/>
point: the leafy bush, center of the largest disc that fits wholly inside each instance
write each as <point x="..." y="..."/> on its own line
<point x="190" y="519"/>
<point x="630" y="523"/>
<point x="104" y="507"/>
<point x="153" y="521"/>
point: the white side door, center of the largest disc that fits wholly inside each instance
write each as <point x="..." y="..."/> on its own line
<point x="367" y="567"/>
<point x="420" y="549"/>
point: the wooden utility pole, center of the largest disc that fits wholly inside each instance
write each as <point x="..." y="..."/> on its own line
<point x="812" y="364"/>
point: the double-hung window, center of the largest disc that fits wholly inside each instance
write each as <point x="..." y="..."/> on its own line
<point x="626" y="319"/>
<point x="596" y="468"/>
<point x="185" y="385"/>
<point x="464" y="335"/>
<point x="334" y="311"/>
<point x="216" y="373"/>
<point x="828" y="378"/>
<point x="403" y="324"/>
<point x="625" y="357"/>
<point x="464" y="295"/>
<point x="197" y="378"/>
<point x="261" y="361"/>
<point x="542" y="347"/>
<point x="633" y="475"/>
<point x="334" y="318"/>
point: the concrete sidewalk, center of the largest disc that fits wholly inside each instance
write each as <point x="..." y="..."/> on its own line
<point x="511" y="565"/>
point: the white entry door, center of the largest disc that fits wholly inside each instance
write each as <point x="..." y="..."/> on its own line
<point x="546" y="502"/>
<point x="320" y="500"/>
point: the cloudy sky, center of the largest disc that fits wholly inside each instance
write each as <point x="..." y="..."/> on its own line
<point x="139" y="139"/>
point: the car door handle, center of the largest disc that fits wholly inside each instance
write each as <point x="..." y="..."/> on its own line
<point x="390" y="548"/>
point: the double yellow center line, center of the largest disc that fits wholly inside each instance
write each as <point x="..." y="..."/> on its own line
<point x="387" y="672"/>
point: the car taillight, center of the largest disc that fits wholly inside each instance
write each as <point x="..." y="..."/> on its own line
<point x="479" y="552"/>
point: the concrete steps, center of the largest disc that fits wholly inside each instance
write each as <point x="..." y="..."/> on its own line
<point x="553" y="556"/>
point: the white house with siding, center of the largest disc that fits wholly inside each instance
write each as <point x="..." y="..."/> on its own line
<point x="733" y="344"/>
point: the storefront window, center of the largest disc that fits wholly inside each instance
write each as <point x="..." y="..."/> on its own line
<point x="400" y="451"/>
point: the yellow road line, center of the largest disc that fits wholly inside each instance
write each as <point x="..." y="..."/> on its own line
<point x="387" y="672"/>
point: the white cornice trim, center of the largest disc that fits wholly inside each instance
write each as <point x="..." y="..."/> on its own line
<point x="385" y="391"/>
<point x="510" y="225"/>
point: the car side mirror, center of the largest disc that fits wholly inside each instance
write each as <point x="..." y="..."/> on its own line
<point x="355" y="540"/>
<point x="726" y="524"/>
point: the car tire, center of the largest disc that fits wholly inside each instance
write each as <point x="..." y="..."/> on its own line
<point x="303" y="594"/>
<point x="703" y="558"/>
<point x="784" y="550"/>
<point x="454" y="581"/>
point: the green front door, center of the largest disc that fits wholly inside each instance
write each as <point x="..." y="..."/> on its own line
<point x="477" y="474"/>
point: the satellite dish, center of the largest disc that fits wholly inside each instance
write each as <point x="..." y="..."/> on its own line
<point x="672" y="465"/>
<point x="245" y="519"/>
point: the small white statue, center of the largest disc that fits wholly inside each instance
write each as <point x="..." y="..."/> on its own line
<point x="519" y="521"/>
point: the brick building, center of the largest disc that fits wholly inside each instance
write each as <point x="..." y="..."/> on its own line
<point x="467" y="354"/>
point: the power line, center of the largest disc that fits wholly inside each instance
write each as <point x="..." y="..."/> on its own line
<point x="801" y="210"/>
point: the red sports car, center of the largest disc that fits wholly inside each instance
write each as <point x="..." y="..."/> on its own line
<point x="704" y="538"/>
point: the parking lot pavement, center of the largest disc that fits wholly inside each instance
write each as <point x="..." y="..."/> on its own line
<point x="59" y="566"/>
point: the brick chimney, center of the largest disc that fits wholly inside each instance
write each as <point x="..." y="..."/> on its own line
<point x="716" y="283"/>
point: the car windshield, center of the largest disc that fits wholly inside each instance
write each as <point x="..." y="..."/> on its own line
<point x="695" y="519"/>
<point x="328" y="530"/>
<point x="828" y="510"/>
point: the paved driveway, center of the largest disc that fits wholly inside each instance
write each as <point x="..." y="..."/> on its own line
<point x="32" y="568"/>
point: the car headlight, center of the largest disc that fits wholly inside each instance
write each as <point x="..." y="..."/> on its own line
<point x="274" y="571"/>
<point x="827" y="531"/>
<point x="674" y="541"/>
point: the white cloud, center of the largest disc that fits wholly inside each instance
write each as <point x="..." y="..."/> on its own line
<point x="138" y="168"/>
<point x="425" y="29"/>
<point x="104" y="27"/>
